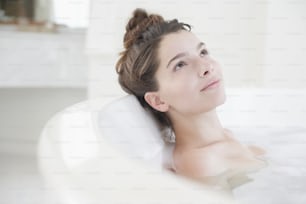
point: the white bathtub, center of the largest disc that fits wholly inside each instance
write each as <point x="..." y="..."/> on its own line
<point x="81" y="167"/>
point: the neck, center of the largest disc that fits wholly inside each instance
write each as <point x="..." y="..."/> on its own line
<point x="198" y="130"/>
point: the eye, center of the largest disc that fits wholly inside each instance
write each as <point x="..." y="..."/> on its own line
<point x="204" y="52"/>
<point x="179" y="65"/>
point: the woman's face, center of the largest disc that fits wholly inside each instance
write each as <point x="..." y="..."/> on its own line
<point x="185" y="69"/>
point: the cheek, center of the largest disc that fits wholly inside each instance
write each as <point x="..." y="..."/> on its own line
<point x="180" y="93"/>
<point x="180" y="86"/>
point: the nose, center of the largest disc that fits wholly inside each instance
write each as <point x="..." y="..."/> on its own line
<point x="205" y="69"/>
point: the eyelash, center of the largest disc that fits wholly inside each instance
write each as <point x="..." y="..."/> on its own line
<point x="182" y="63"/>
<point x="179" y="65"/>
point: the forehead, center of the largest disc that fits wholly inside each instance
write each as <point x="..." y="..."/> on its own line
<point x="173" y="43"/>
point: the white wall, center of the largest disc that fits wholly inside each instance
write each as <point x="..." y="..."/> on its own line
<point x="285" y="44"/>
<point x="71" y="13"/>
<point x="242" y="35"/>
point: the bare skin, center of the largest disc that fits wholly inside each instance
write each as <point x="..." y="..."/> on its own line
<point x="232" y="161"/>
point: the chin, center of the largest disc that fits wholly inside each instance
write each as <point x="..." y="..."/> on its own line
<point x="221" y="98"/>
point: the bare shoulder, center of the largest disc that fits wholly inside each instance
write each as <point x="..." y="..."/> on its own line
<point x="199" y="163"/>
<point x="256" y="150"/>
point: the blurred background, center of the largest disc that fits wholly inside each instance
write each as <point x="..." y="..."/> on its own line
<point x="55" y="53"/>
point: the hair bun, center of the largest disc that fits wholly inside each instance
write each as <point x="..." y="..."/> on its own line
<point x="138" y="24"/>
<point x="138" y="16"/>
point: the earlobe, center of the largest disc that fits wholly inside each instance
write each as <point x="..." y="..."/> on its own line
<point x="155" y="102"/>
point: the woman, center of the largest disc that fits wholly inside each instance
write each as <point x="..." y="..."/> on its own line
<point x="172" y="74"/>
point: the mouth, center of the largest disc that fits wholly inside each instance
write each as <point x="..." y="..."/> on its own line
<point x="211" y="85"/>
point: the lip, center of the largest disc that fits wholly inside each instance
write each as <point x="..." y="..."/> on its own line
<point x="211" y="85"/>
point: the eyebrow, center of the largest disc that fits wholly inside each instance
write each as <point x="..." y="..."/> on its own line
<point x="182" y="54"/>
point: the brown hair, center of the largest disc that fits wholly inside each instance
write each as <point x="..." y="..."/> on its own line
<point x="139" y="61"/>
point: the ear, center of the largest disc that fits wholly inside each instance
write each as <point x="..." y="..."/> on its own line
<point x="153" y="99"/>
